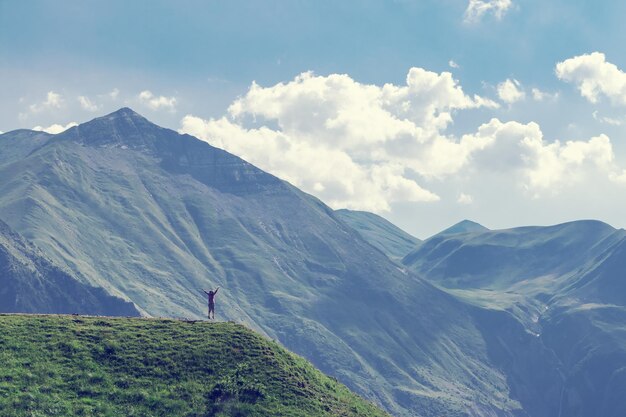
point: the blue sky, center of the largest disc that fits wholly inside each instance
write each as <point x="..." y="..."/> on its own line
<point x="190" y="66"/>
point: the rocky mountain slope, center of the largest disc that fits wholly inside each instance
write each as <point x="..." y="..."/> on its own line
<point x="384" y="235"/>
<point x="31" y="283"/>
<point x="565" y="284"/>
<point x="155" y="216"/>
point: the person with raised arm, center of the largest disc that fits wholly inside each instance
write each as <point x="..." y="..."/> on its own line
<point x="211" y="295"/>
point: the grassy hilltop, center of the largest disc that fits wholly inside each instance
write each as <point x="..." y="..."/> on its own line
<point x="93" y="366"/>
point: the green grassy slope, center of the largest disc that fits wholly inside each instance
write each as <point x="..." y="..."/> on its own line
<point x="76" y="365"/>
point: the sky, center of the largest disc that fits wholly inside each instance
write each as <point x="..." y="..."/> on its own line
<point x="426" y="112"/>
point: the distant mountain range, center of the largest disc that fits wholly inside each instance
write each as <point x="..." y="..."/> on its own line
<point x="566" y="284"/>
<point x="423" y="328"/>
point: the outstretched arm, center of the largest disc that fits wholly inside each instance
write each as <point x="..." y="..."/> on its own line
<point x="205" y="291"/>
<point x="215" y="292"/>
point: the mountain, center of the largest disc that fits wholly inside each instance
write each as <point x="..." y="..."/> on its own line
<point x="31" y="283"/>
<point x="19" y="143"/>
<point x="144" y="367"/>
<point x="382" y="234"/>
<point x="566" y="285"/>
<point x="501" y="258"/>
<point x="464" y="226"/>
<point x="155" y="216"/>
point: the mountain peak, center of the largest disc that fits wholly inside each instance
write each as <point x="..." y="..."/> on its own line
<point x="464" y="226"/>
<point x="125" y="130"/>
<point x="124" y="112"/>
<point x="122" y="127"/>
<point x="125" y="115"/>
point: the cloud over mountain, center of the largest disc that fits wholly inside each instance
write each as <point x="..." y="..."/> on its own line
<point x="519" y="150"/>
<point x="366" y="147"/>
<point x="55" y="128"/>
<point x="153" y="102"/>
<point x="352" y="144"/>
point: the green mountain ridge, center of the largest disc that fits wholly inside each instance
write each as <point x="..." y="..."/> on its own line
<point x="464" y="226"/>
<point x="565" y="284"/>
<point x="480" y="323"/>
<point x="154" y="216"/>
<point x="384" y="235"/>
<point x="75" y="365"/>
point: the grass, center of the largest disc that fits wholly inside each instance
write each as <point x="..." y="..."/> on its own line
<point x="93" y="366"/>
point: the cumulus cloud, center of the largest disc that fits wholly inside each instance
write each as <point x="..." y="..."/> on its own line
<point x="157" y="102"/>
<point x="476" y="9"/>
<point x="87" y="104"/>
<point x="55" y="128"/>
<point x="340" y="112"/>
<point x="518" y="148"/>
<point x="594" y="77"/>
<point x="53" y="101"/>
<point x="329" y="173"/>
<point x="511" y="91"/>
<point x="453" y="64"/>
<point x="354" y="145"/>
<point x="365" y="146"/>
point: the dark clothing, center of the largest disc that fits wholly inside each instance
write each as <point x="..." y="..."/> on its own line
<point x="211" y="299"/>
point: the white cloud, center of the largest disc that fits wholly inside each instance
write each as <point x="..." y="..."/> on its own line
<point x="114" y="93"/>
<point x="324" y="109"/>
<point x="331" y="174"/>
<point x="476" y="9"/>
<point x="510" y="91"/>
<point x="53" y="101"/>
<point x="556" y="163"/>
<point x="541" y="166"/>
<point x="55" y="128"/>
<point x="594" y="76"/>
<point x="453" y="64"/>
<point x="618" y="177"/>
<point x="464" y="199"/>
<point x="87" y="104"/>
<point x="364" y="145"/>
<point x="156" y="103"/>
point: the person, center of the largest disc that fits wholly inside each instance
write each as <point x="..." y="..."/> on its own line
<point x="211" y="295"/>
